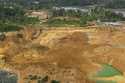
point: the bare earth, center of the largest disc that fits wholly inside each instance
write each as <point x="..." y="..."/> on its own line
<point x="68" y="55"/>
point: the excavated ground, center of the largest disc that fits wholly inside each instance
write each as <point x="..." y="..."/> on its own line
<point x="67" y="55"/>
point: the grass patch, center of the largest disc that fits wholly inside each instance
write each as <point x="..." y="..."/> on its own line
<point x="62" y="22"/>
<point x="6" y="27"/>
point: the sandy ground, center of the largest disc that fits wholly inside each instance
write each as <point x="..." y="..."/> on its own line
<point x="68" y="55"/>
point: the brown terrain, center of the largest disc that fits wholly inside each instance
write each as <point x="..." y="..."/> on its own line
<point x="67" y="55"/>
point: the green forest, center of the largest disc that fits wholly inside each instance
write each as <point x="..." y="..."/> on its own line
<point x="13" y="18"/>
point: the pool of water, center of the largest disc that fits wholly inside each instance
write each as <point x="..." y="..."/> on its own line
<point x="7" y="77"/>
<point x="108" y="71"/>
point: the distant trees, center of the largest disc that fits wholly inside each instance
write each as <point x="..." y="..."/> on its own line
<point x="39" y="4"/>
<point x="12" y="17"/>
<point x="115" y="4"/>
<point x="96" y="13"/>
<point x="104" y="14"/>
<point x="66" y="13"/>
<point x="11" y="13"/>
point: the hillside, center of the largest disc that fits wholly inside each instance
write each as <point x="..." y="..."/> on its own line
<point x="67" y="55"/>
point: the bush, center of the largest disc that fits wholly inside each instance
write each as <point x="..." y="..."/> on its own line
<point x="6" y="27"/>
<point x="55" y="81"/>
<point x="62" y="22"/>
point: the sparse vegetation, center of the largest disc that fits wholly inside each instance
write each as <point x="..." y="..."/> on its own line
<point x="40" y="79"/>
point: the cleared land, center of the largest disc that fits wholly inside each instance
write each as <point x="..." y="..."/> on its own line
<point x="67" y="55"/>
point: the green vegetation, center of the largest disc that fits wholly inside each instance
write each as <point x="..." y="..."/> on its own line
<point x="40" y="4"/>
<point x="62" y="17"/>
<point x="5" y="27"/>
<point x="103" y="14"/>
<point x="13" y="13"/>
<point x="55" y="81"/>
<point x="116" y="4"/>
<point x="12" y="18"/>
<point x="66" y="13"/>
<point x="62" y="22"/>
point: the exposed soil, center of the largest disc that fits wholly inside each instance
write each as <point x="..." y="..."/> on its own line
<point x="68" y="55"/>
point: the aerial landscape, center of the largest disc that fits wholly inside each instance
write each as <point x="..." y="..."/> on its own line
<point x="62" y="41"/>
